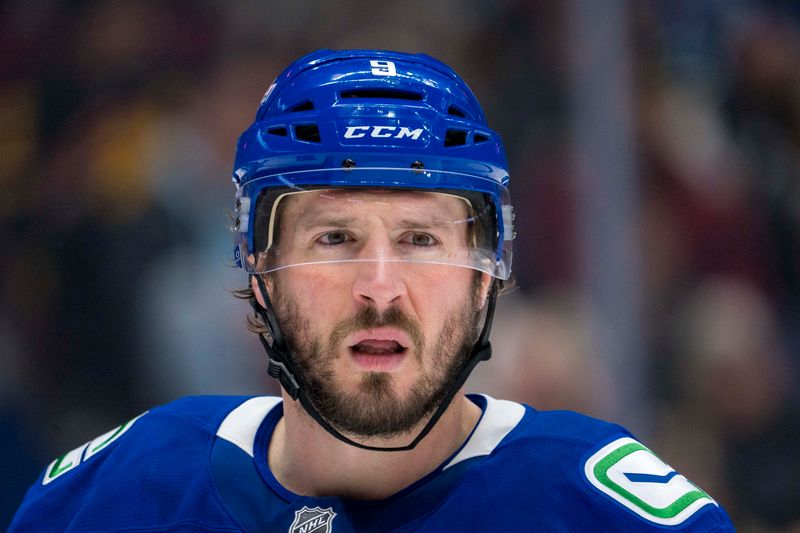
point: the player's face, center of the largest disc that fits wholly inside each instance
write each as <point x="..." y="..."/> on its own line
<point x="377" y="341"/>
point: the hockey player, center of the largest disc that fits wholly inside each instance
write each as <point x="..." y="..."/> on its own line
<point x="373" y="219"/>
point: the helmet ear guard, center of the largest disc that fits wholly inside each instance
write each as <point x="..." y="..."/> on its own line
<point x="370" y="120"/>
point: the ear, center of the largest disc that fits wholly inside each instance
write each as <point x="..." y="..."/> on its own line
<point x="257" y="289"/>
<point x="486" y="284"/>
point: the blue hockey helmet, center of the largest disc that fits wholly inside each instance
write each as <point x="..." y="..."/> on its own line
<point x="369" y="119"/>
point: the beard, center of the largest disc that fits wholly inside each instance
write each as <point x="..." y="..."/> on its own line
<point x="374" y="409"/>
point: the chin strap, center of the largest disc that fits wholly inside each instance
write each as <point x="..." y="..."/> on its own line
<point x="280" y="366"/>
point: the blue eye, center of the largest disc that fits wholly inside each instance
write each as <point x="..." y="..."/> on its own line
<point x="421" y="239"/>
<point x="333" y="238"/>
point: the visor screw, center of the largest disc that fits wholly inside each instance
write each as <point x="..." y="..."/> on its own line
<point x="348" y="163"/>
<point x="417" y="165"/>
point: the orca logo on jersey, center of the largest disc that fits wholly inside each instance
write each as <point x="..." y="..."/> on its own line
<point x="632" y="475"/>
<point x="313" y="520"/>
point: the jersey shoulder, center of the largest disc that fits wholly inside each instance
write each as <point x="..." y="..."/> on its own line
<point x="561" y="470"/>
<point x="150" y="469"/>
<point x="549" y="439"/>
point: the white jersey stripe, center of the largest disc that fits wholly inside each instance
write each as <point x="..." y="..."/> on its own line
<point x="499" y="418"/>
<point x="241" y="424"/>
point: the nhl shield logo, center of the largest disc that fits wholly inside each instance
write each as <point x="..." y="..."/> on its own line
<point x="314" y="520"/>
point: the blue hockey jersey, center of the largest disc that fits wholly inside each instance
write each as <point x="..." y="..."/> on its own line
<point x="199" y="464"/>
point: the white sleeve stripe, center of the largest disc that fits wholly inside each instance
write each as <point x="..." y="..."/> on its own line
<point x="241" y="424"/>
<point x="499" y="418"/>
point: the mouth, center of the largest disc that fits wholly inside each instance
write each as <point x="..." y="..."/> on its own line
<point x="382" y="349"/>
<point x="377" y="347"/>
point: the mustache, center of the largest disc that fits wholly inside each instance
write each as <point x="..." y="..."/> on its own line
<point x="369" y="318"/>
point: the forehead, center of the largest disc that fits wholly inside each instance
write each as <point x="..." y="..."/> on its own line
<point x="364" y="202"/>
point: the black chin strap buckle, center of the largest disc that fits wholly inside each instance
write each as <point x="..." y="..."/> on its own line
<point x="278" y="370"/>
<point x="278" y="365"/>
<point x="484" y="353"/>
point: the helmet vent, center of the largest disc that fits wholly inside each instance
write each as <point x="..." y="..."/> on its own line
<point x="277" y="130"/>
<point x="453" y="110"/>
<point x="307" y="133"/>
<point x="455" y="138"/>
<point x="306" y="105"/>
<point x="383" y="93"/>
<point x="480" y="138"/>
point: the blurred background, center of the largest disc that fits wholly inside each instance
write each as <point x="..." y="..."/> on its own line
<point x="655" y="161"/>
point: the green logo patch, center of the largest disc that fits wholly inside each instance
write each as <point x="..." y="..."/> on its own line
<point x="632" y="475"/>
<point x="82" y="453"/>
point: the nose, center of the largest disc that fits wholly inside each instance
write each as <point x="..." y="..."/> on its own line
<point x="378" y="283"/>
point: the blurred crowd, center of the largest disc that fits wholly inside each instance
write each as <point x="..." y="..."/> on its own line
<point x="119" y="121"/>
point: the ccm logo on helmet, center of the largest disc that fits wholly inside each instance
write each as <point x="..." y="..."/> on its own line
<point x="382" y="132"/>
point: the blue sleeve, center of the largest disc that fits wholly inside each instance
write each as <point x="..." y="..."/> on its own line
<point x="149" y="473"/>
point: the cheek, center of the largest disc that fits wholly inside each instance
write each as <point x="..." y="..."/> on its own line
<point x="439" y="295"/>
<point x="317" y="294"/>
<point x="444" y="285"/>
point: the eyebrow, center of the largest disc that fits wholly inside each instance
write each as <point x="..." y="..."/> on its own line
<point x="436" y="222"/>
<point x="325" y="220"/>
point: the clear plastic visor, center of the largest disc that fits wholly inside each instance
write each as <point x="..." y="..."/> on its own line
<point x="343" y="226"/>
